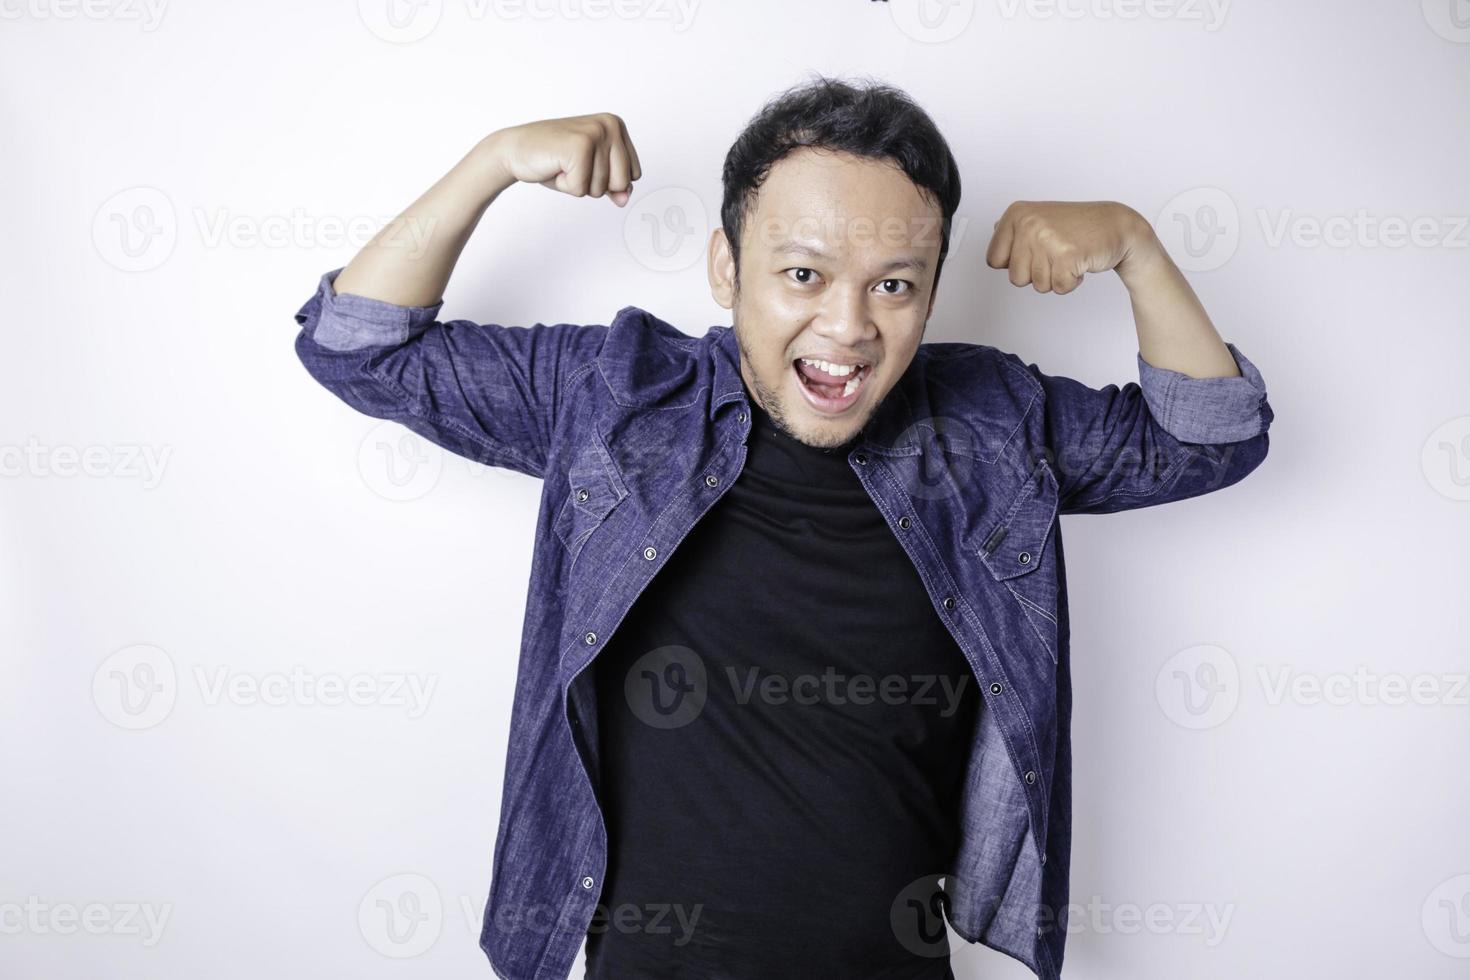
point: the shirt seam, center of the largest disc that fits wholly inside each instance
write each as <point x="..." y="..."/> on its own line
<point x="489" y="446"/>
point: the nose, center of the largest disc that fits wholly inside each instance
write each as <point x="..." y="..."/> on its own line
<point x="844" y="318"/>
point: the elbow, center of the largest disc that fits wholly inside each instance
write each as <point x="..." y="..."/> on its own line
<point x="346" y="375"/>
<point x="1235" y="460"/>
<point x="1230" y="462"/>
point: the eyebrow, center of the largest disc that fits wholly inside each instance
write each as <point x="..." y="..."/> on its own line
<point x="910" y="261"/>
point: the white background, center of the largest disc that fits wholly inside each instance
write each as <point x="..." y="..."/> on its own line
<point x="275" y="530"/>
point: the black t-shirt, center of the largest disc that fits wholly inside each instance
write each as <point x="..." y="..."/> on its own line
<point x="783" y="723"/>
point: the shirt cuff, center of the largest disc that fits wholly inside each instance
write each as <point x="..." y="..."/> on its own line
<point x="350" y="322"/>
<point x="1207" y="410"/>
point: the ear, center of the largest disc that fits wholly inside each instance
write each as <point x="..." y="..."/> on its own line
<point x="721" y="269"/>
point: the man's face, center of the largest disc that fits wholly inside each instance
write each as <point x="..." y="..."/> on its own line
<point x="837" y="264"/>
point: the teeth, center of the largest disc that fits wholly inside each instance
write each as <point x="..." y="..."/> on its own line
<point x="836" y="370"/>
<point x="859" y="373"/>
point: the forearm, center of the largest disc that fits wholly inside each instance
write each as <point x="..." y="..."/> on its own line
<point x="410" y="260"/>
<point x="1174" y="331"/>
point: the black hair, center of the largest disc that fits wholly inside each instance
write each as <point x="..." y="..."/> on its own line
<point x="869" y="119"/>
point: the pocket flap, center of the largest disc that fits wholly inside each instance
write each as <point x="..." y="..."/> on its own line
<point x="593" y="489"/>
<point x="594" y="486"/>
<point x="1017" y="542"/>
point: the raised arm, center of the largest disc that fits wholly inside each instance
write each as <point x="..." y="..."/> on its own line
<point x="482" y="390"/>
<point x="410" y="261"/>
<point x="1197" y="418"/>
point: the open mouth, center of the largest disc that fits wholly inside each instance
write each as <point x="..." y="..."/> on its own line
<point x="831" y="388"/>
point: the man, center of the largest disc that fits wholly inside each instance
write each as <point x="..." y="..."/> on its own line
<point x="794" y="677"/>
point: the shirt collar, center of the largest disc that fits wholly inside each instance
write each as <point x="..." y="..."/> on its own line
<point x="729" y="386"/>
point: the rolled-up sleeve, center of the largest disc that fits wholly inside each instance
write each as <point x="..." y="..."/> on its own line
<point x="349" y="322"/>
<point x="1165" y="437"/>
<point x="1207" y="410"/>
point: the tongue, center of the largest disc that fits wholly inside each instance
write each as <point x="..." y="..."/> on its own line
<point x="824" y="383"/>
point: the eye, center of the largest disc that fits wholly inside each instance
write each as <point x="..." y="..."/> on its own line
<point x="904" y="282"/>
<point x="802" y="282"/>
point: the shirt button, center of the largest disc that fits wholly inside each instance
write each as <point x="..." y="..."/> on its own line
<point x="904" y="522"/>
<point x="949" y="602"/>
<point x="587" y="882"/>
<point x="650" y="553"/>
<point x="590" y="638"/>
<point x="582" y="495"/>
<point x="1024" y="558"/>
<point x="995" y="688"/>
<point x="1043" y="859"/>
<point x="1030" y="776"/>
<point x="742" y="416"/>
<point x="862" y="459"/>
<point x="711" y="481"/>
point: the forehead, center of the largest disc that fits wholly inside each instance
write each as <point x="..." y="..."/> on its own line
<point x="842" y="202"/>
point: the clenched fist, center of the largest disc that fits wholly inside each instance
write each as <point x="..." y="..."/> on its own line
<point x="584" y="156"/>
<point x="1053" y="244"/>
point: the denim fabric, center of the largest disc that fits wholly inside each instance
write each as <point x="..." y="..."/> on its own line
<point x="637" y="429"/>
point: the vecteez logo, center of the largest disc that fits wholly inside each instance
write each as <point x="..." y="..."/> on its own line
<point x="138" y="687"/>
<point x="667" y="687"/>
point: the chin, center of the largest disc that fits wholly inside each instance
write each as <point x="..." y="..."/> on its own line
<point x="823" y="432"/>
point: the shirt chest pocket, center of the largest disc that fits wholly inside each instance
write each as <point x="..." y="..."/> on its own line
<point x="593" y="489"/>
<point x="1017" y="551"/>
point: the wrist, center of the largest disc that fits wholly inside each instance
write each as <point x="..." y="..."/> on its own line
<point x="490" y="162"/>
<point x="1144" y="255"/>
